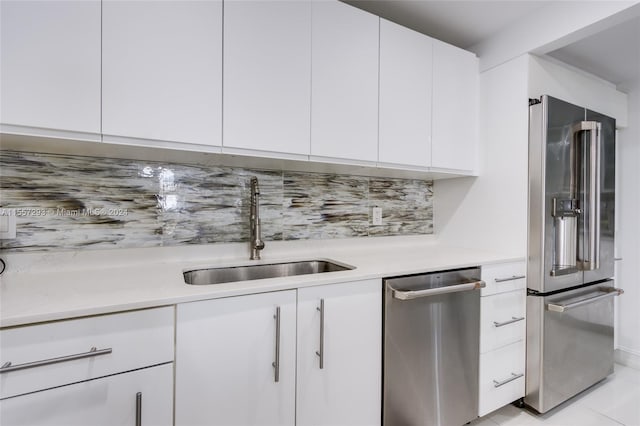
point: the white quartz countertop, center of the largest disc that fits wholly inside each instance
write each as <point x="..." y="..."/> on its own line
<point x="54" y="287"/>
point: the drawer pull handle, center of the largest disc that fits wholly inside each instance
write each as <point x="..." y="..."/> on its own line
<point x="7" y="367"/>
<point x="514" y="376"/>
<point x="511" y="321"/>
<point x="515" y="277"/>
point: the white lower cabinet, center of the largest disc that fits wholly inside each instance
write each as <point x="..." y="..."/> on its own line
<point x="501" y="377"/>
<point x="91" y="347"/>
<point x="502" y="319"/>
<point x="236" y="358"/>
<point x="503" y="277"/>
<point x="105" y="370"/>
<point x="112" y="400"/>
<point x="339" y="354"/>
<point x="502" y="336"/>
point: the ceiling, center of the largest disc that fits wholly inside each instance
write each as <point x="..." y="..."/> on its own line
<point x="461" y="23"/>
<point x="612" y="54"/>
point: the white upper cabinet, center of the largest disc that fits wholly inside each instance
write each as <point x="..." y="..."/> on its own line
<point x="303" y="79"/>
<point x="455" y="108"/>
<point x="344" y="85"/>
<point x="162" y="70"/>
<point x="50" y="65"/>
<point x="406" y="62"/>
<point x="267" y="75"/>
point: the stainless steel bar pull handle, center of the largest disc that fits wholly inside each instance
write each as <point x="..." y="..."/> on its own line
<point x="591" y="259"/>
<point x="514" y="376"/>
<point x="415" y="294"/>
<point x="139" y="409"/>
<point x="512" y="278"/>
<point x="511" y="321"/>
<point x="7" y="366"/>
<point x="276" y="363"/>
<point x="594" y="198"/>
<point x="603" y="293"/>
<point x="320" y="352"/>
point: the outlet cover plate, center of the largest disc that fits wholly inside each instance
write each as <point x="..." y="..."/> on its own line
<point x="377" y="216"/>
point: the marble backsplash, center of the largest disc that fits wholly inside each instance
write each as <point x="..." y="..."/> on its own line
<point x="65" y="202"/>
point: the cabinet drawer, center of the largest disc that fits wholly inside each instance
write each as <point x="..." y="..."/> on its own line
<point x="502" y="319"/>
<point x="503" y="277"/>
<point x="122" y="342"/>
<point x="501" y="377"/>
<point x="102" y="402"/>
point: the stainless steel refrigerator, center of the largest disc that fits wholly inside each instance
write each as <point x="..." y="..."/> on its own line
<point x="570" y="257"/>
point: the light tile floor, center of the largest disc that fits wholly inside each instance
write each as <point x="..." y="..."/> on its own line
<point x="613" y="402"/>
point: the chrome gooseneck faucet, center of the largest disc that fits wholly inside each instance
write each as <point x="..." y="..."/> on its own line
<point x="254" y="225"/>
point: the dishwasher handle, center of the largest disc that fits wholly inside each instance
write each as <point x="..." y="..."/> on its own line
<point x="416" y="294"/>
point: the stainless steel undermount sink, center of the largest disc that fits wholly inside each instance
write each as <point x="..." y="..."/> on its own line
<point x="258" y="272"/>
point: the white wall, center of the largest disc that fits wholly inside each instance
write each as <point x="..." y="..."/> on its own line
<point x="628" y="232"/>
<point x="490" y="211"/>
<point x="549" y="77"/>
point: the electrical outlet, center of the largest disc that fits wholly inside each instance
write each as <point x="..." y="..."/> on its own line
<point x="7" y="224"/>
<point x="377" y="215"/>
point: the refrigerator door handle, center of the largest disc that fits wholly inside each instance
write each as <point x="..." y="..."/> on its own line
<point x="596" y="296"/>
<point x="591" y="259"/>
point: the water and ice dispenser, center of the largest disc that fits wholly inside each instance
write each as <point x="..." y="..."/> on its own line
<point x="565" y="220"/>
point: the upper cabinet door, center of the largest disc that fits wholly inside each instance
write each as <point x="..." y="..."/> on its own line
<point x="162" y="70"/>
<point x="406" y="62"/>
<point x="50" y="64"/>
<point x="455" y="108"/>
<point x="344" y="87"/>
<point x="267" y="75"/>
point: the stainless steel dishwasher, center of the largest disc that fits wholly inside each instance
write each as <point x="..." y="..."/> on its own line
<point x="431" y="348"/>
